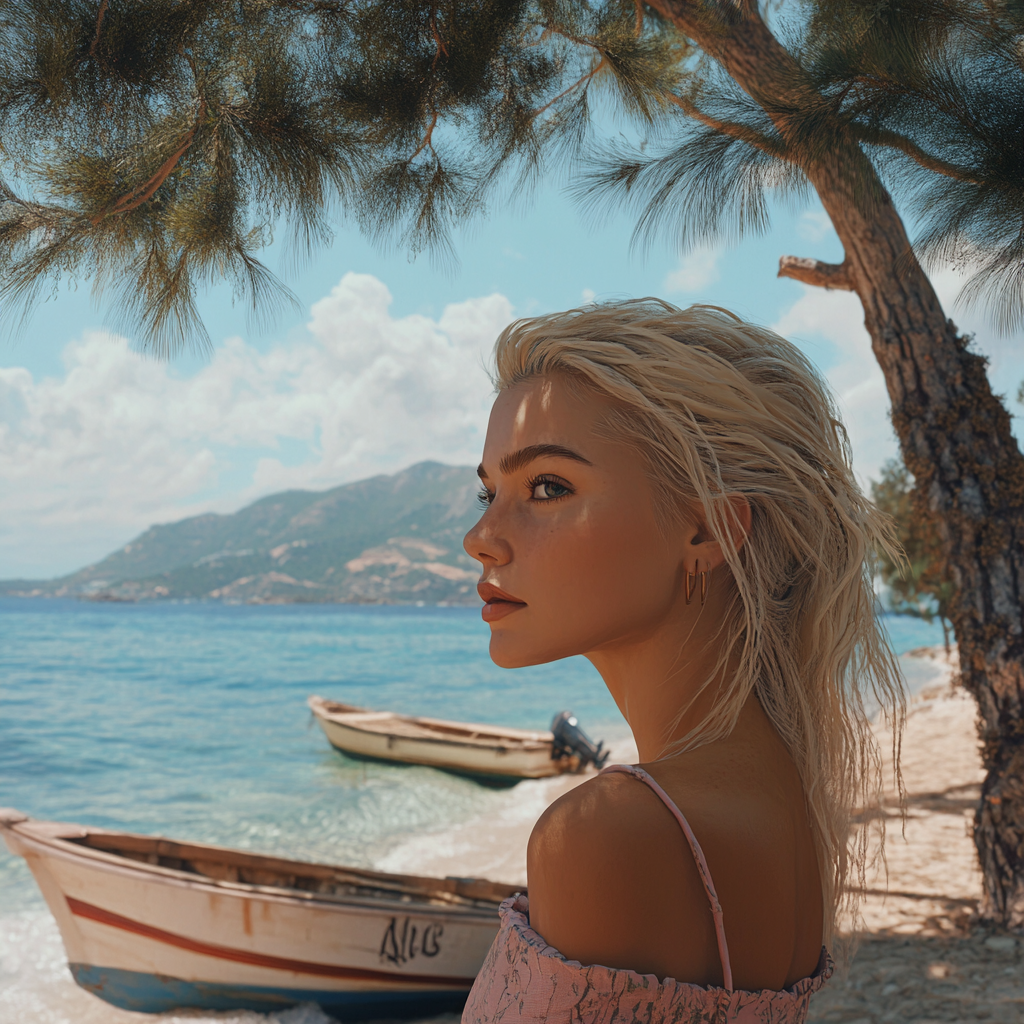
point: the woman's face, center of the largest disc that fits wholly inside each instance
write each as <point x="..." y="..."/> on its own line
<point x="574" y="560"/>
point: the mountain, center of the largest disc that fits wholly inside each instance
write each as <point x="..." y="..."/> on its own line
<point x="389" y="539"/>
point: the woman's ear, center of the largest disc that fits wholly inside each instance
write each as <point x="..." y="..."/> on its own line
<point x="707" y="549"/>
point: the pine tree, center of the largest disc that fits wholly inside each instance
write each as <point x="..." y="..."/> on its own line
<point x="152" y="144"/>
<point x="918" y="584"/>
<point x="157" y="144"/>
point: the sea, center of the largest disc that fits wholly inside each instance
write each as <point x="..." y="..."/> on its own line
<point x="190" y="720"/>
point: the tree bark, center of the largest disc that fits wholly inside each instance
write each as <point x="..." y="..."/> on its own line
<point x="822" y="275"/>
<point x="954" y="433"/>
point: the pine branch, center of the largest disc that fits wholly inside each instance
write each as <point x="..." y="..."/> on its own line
<point x="738" y="131"/>
<point x="140" y="194"/>
<point x="822" y="275"/>
<point x="439" y="48"/>
<point x="893" y="140"/>
<point x="99" y="26"/>
<point x="427" y="137"/>
<point x="27" y="216"/>
<point x="575" y="85"/>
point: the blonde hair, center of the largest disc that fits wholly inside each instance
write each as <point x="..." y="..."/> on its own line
<point x="719" y="408"/>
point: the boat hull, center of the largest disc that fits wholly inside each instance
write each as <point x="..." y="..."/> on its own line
<point x="502" y="763"/>
<point x="156" y="993"/>
<point x="146" y="938"/>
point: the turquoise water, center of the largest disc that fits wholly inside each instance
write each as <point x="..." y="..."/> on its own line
<point x="190" y="720"/>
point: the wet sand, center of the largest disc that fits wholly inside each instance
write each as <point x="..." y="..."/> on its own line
<point x="494" y="847"/>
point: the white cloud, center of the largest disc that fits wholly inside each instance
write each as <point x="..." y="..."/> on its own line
<point x="814" y="225"/>
<point x="588" y="295"/>
<point x="119" y="441"/>
<point x="835" y="316"/>
<point x="697" y="270"/>
<point x="829" y="327"/>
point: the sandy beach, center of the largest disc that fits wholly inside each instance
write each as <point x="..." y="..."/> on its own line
<point x="919" y="954"/>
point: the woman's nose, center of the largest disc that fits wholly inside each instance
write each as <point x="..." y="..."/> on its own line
<point x="485" y="542"/>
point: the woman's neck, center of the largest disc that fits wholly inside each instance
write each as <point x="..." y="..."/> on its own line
<point x="666" y="682"/>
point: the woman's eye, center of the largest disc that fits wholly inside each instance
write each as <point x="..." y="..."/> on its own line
<point x="484" y="498"/>
<point x="548" y="490"/>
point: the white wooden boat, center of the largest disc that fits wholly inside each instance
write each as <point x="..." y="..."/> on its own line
<point x="151" y="924"/>
<point x="485" y="751"/>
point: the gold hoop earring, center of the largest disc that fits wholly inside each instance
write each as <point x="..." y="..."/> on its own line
<point x="691" y="583"/>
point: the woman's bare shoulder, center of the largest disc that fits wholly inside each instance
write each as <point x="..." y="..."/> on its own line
<point x="612" y="881"/>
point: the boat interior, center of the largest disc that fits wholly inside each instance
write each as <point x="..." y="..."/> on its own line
<point x="393" y="724"/>
<point x="320" y="881"/>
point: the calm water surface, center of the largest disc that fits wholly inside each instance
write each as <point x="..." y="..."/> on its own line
<point x="190" y="720"/>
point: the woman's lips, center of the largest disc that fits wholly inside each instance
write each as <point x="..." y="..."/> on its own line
<point x="497" y="604"/>
<point x="494" y="610"/>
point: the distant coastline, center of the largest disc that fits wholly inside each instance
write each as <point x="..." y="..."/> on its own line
<point x="386" y="540"/>
<point x="469" y="600"/>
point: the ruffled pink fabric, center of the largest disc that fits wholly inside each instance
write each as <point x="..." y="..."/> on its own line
<point x="524" y="979"/>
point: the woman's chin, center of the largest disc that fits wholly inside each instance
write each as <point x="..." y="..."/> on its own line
<point x="518" y="652"/>
<point x="506" y="655"/>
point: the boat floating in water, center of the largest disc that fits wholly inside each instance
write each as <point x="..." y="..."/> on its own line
<point x="152" y="924"/>
<point x="486" y="752"/>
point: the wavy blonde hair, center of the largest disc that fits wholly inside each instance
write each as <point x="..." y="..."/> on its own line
<point x="718" y="408"/>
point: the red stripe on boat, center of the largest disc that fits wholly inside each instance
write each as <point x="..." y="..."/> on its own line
<point x="243" y="956"/>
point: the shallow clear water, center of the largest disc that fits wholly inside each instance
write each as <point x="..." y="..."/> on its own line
<point x="190" y="720"/>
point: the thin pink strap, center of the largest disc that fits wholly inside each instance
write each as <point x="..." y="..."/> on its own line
<point x="698" y="856"/>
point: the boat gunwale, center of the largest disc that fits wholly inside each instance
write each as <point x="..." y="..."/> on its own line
<point x="429" y="901"/>
<point x="516" y="739"/>
<point x="440" y="741"/>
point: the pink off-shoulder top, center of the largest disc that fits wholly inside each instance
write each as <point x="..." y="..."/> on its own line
<point x="526" y="981"/>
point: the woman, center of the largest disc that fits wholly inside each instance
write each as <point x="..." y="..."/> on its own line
<point x="669" y="493"/>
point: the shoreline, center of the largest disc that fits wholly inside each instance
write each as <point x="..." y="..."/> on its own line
<point x="490" y="846"/>
<point x="919" y="956"/>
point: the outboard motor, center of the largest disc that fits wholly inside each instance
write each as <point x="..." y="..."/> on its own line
<point x="571" y="740"/>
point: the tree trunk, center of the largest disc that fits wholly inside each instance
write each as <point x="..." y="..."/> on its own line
<point x="953" y="431"/>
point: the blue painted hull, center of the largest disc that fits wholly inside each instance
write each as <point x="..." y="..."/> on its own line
<point x="156" y="993"/>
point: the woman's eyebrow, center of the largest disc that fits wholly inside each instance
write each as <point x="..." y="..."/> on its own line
<point x="517" y="460"/>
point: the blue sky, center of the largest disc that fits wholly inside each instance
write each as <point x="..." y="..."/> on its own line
<point x="381" y="367"/>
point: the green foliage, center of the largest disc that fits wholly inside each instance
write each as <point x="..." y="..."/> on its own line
<point x="932" y="88"/>
<point x="920" y="585"/>
<point x="152" y="145"/>
<point x="156" y="144"/>
<point x="466" y="94"/>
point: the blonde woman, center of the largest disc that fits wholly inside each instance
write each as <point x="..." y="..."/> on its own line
<point x="669" y="493"/>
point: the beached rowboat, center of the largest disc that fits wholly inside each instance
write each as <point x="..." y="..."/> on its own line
<point x="151" y="924"/>
<point x="486" y="751"/>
